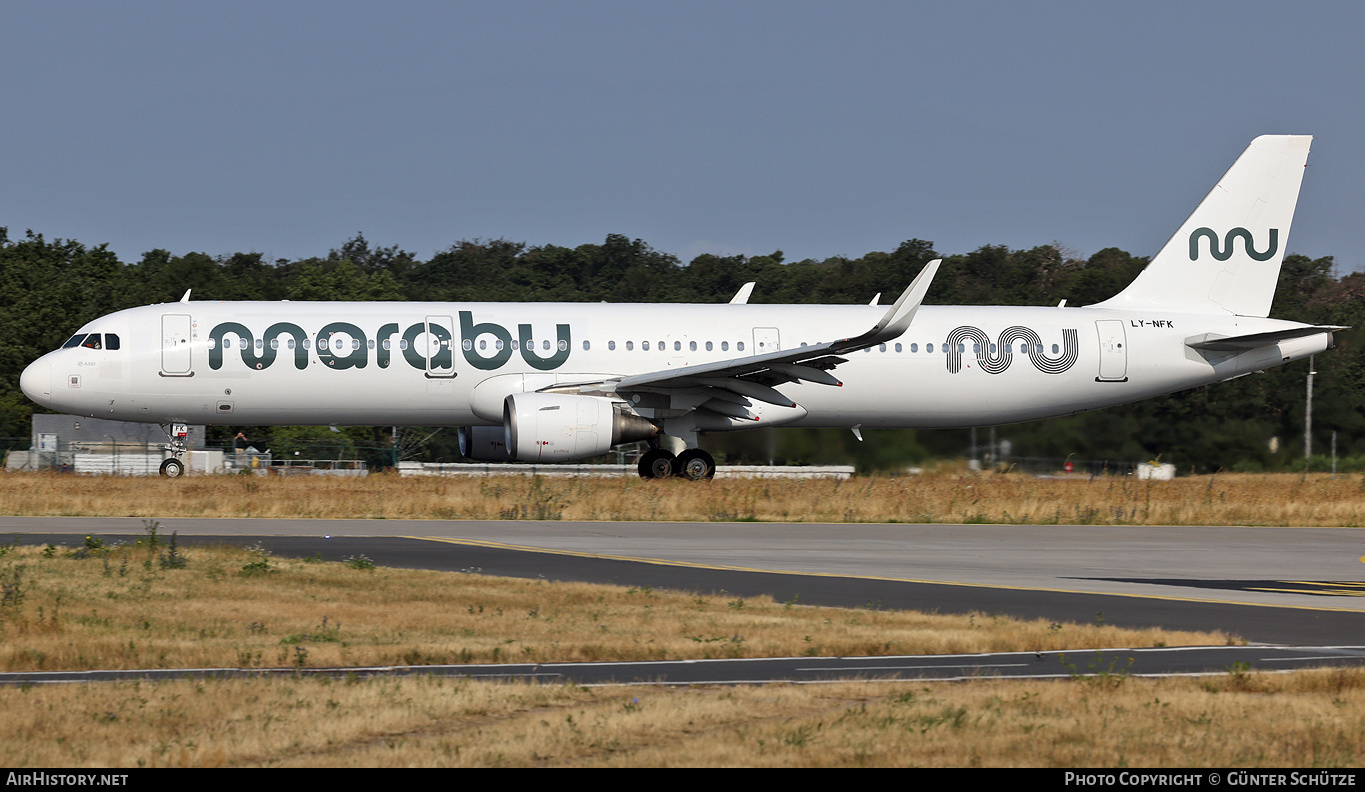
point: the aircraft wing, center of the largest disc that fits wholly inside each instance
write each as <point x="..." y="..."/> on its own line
<point x="753" y="377"/>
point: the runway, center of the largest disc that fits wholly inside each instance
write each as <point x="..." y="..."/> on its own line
<point x="1299" y="586"/>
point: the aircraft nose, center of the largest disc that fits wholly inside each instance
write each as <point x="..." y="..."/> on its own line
<point x="36" y="382"/>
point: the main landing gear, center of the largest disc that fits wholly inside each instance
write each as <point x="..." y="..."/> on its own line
<point x="693" y="464"/>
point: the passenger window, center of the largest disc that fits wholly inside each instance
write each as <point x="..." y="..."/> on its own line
<point x="241" y="343"/>
<point x="915" y="348"/>
<point x="1054" y="349"/>
<point x="630" y="346"/>
<point x="586" y="346"/>
<point x="290" y="343"/>
<point x="739" y="345"/>
<point x="708" y="346"/>
<point x="274" y="343"/>
<point x="644" y="345"/>
<point x="928" y="347"/>
<point x="692" y="346"/>
<point x="677" y="346"/>
<point x="260" y="343"/>
<point x="611" y="345"/>
<point x="725" y="346"/>
<point x="898" y="347"/>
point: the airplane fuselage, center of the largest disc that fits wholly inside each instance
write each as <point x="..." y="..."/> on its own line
<point x="453" y="364"/>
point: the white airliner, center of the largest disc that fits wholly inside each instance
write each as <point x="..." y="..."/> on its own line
<point x="566" y="381"/>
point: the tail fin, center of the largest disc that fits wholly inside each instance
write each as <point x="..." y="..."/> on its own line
<point x="1204" y="268"/>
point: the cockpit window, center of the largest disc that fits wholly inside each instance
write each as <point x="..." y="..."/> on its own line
<point x="92" y="341"/>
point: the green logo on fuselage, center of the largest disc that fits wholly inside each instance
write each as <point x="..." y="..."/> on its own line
<point x="344" y="345"/>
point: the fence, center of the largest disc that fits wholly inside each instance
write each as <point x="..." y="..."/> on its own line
<point x="614" y="471"/>
<point x="107" y="457"/>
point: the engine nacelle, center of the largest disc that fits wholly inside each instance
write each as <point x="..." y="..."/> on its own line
<point x="484" y="443"/>
<point x="561" y="427"/>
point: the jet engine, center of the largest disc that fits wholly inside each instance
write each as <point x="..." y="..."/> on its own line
<point x="484" y="443"/>
<point x="560" y="427"/>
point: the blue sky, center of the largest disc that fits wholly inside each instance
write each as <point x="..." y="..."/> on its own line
<point x="818" y="128"/>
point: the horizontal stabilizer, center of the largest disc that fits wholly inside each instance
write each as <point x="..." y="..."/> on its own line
<point x="1217" y="343"/>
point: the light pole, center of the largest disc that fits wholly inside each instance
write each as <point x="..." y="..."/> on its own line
<point x="1308" y="414"/>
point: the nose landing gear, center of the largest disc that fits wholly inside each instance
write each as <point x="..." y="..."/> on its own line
<point x="173" y="466"/>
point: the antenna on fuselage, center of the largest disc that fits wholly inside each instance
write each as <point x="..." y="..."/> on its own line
<point x="186" y="298"/>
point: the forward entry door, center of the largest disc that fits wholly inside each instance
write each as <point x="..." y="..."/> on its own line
<point x="440" y="351"/>
<point x="175" y="346"/>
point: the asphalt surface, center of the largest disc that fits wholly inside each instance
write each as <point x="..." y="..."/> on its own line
<point x="1290" y="586"/>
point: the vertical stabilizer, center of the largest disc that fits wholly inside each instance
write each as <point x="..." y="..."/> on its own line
<point x="1226" y="257"/>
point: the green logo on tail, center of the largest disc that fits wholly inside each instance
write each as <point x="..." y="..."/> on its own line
<point x="1225" y="252"/>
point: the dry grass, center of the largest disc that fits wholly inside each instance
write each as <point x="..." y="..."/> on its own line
<point x="114" y="608"/>
<point x="1234" y="499"/>
<point x="230" y="607"/>
<point x="1304" y="720"/>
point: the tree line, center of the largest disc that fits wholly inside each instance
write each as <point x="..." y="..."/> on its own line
<point x="50" y="287"/>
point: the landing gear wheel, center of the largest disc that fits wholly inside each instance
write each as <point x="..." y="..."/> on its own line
<point x="694" y="464"/>
<point x="172" y="468"/>
<point x="656" y="463"/>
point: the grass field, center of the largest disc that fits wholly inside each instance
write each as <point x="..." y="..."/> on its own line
<point x="1232" y="499"/>
<point x="150" y="604"/>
